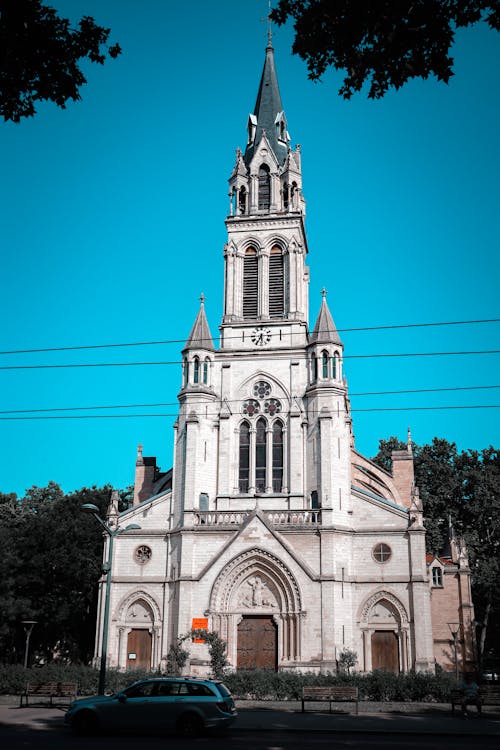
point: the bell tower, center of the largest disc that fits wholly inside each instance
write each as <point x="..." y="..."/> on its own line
<point x="266" y="278"/>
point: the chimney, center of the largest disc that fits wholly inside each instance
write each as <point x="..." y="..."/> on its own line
<point x="145" y="474"/>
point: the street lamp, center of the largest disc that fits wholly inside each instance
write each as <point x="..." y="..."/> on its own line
<point x="91" y="508"/>
<point x="454" y="629"/>
<point x="28" y="627"/>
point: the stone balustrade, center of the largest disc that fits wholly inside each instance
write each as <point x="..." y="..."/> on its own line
<point x="275" y="517"/>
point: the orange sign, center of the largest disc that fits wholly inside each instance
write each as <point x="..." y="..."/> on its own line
<point x="199" y="623"/>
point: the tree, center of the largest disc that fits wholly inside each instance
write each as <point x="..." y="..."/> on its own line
<point x="40" y="55"/>
<point x="51" y="560"/>
<point x="348" y="660"/>
<point x="381" y="42"/>
<point x="216" y="649"/>
<point x="462" y="489"/>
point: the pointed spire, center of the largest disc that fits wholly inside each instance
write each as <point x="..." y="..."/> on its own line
<point x="267" y="108"/>
<point x="325" y="331"/>
<point x="200" y="336"/>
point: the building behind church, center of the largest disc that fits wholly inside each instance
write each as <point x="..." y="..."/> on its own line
<point x="271" y="528"/>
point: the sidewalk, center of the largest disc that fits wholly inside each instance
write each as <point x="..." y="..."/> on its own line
<point x="255" y="716"/>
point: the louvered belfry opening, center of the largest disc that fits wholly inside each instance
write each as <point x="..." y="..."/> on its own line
<point x="276" y="283"/>
<point x="250" y="283"/>
<point x="264" y="188"/>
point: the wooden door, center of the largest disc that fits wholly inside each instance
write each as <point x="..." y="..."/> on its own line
<point x="385" y="650"/>
<point x="139" y="649"/>
<point x="257" y="643"/>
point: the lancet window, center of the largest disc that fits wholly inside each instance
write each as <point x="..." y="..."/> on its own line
<point x="264" y="188"/>
<point x="261" y="443"/>
<point x="276" y="283"/>
<point x="250" y="283"/>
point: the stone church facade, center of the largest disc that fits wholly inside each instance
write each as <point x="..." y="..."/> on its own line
<point x="271" y="528"/>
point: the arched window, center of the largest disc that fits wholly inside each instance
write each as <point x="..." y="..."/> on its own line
<point x="196" y="370"/>
<point x="186" y="371"/>
<point x="277" y="456"/>
<point x="314" y="368"/>
<point x="242" y="200"/>
<point x="232" y="198"/>
<point x="314" y="500"/>
<point x="324" y="364"/>
<point x="203" y="501"/>
<point x="250" y="283"/>
<point x="260" y="456"/>
<point x="276" y="283"/>
<point x="205" y="371"/>
<point x="285" y="196"/>
<point x="244" y="470"/>
<point x="335" y="366"/>
<point x="293" y="196"/>
<point x="264" y="188"/>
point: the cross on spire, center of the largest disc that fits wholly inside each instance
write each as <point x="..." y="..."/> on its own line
<point x="269" y="27"/>
<point x="202" y="298"/>
<point x="324" y="293"/>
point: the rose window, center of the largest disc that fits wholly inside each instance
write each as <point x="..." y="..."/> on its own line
<point x="251" y="407"/>
<point x="272" y="406"/>
<point x="261" y="389"/>
<point x="143" y="554"/>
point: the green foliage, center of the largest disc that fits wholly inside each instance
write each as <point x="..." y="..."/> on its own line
<point x="41" y="56"/>
<point x="51" y="562"/>
<point x="347" y="660"/>
<point x="462" y="489"/>
<point x="382" y="44"/>
<point x="255" y="684"/>
<point x="177" y="657"/>
<point x="216" y="649"/>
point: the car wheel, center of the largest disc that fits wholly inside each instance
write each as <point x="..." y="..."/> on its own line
<point x="189" y="725"/>
<point x="85" y="723"/>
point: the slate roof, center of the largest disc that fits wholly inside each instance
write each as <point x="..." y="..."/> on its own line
<point x="325" y="331"/>
<point x="267" y="107"/>
<point x="200" y="336"/>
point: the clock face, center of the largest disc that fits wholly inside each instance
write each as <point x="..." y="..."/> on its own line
<point x="261" y="336"/>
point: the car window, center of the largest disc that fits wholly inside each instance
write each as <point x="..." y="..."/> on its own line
<point x="223" y="690"/>
<point x="195" y="689"/>
<point x="183" y="688"/>
<point x="167" y="688"/>
<point x="142" y="690"/>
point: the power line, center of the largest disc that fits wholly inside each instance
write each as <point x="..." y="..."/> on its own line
<point x="243" y="359"/>
<point x="241" y="400"/>
<point x="183" y="340"/>
<point x="175" y="414"/>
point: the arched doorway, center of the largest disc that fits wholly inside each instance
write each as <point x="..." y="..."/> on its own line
<point x="255" y="606"/>
<point x="139" y="637"/>
<point x="385" y="629"/>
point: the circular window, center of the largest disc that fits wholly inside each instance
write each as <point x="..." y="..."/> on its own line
<point x="251" y="407"/>
<point x="261" y="389"/>
<point x="272" y="406"/>
<point x="143" y="554"/>
<point x="382" y="552"/>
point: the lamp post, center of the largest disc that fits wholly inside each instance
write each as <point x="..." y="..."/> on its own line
<point x="28" y="627"/>
<point x="112" y="533"/>
<point x="454" y="629"/>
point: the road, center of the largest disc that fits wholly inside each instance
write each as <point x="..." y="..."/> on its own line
<point x="57" y="738"/>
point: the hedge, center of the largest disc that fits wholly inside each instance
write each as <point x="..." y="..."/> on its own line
<point x="247" y="684"/>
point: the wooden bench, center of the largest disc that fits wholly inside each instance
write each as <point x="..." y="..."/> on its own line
<point x="48" y="690"/>
<point x="489" y="695"/>
<point x="330" y="694"/>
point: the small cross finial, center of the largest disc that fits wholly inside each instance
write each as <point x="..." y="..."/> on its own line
<point x="324" y="293"/>
<point x="269" y="27"/>
<point x="202" y="298"/>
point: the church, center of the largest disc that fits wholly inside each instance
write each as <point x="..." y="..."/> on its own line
<point x="271" y="529"/>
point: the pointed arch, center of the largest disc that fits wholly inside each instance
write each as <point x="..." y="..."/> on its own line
<point x="250" y="283"/>
<point x="264" y="187"/>
<point x="134" y="597"/>
<point x="244" y="458"/>
<point x="390" y="601"/>
<point x="324" y="364"/>
<point x="276" y="282"/>
<point x="277" y="451"/>
<point x="256" y="561"/>
<point x="196" y="370"/>
<point x="261" y="455"/>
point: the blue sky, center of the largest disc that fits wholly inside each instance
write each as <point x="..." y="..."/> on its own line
<point x="112" y="215"/>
